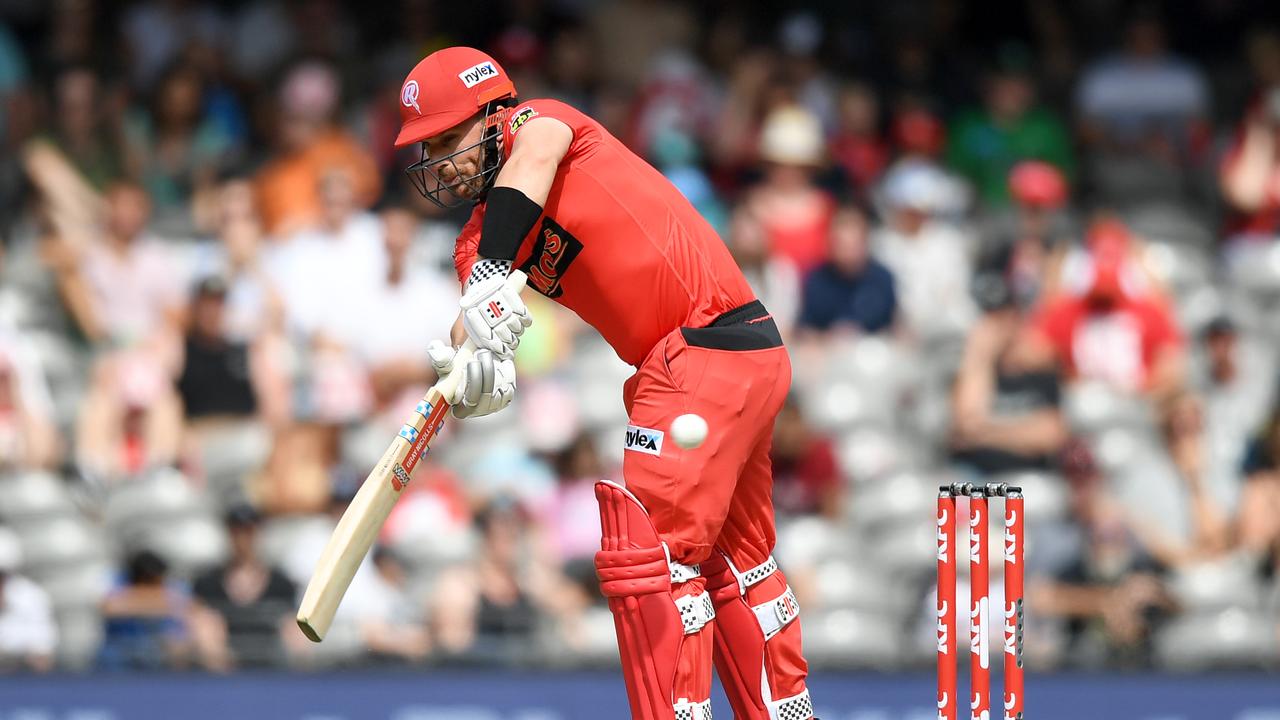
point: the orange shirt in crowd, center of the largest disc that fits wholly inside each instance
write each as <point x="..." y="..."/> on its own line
<point x="288" y="190"/>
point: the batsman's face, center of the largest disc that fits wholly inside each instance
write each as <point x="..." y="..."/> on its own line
<point x="456" y="154"/>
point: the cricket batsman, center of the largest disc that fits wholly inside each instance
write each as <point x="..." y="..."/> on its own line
<point x="685" y="550"/>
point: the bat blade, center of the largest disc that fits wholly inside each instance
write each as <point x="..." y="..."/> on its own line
<point x="364" y="517"/>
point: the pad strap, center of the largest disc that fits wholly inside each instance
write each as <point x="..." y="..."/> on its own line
<point x="796" y="707"/>
<point x="680" y="573"/>
<point x="777" y="613"/>
<point x="695" y="611"/>
<point x="686" y="710"/>
<point x="754" y="575"/>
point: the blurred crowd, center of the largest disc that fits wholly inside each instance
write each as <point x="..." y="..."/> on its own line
<point x="1038" y="248"/>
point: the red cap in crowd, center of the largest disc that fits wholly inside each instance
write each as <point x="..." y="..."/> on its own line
<point x="1037" y="184"/>
<point x="446" y="88"/>
<point x="1108" y="242"/>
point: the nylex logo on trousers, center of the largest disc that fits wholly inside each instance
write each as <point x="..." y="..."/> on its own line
<point x="473" y="75"/>
<point x="645" y="440"/>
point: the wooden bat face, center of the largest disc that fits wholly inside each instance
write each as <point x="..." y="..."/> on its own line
<point x="363" y="519"/>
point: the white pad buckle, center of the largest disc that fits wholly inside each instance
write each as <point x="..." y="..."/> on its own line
<point x="695" y="611"/>
<point x="754" y="575"/>
<point x="796" y="707"/>
<point x="686" y="710"/>
<point x="680" y="573"/>
<point x="777" y="613"/>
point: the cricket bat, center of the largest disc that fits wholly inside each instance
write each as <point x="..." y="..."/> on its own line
<point x="364" y="517"/>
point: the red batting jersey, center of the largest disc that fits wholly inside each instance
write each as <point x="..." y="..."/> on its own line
<point x="617" y="243"/>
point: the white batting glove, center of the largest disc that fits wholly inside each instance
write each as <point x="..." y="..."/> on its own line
<point x="494" y="316"/>
<point x="487" y="385"/>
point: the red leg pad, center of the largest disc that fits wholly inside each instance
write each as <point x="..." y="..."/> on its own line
<point x="759" y="674"/>
<point x="660" y="663"/>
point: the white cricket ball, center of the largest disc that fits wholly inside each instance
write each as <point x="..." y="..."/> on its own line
<point x="689" y="431"/>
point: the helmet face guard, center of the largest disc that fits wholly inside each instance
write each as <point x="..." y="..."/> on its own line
<point x="445" y="195"/>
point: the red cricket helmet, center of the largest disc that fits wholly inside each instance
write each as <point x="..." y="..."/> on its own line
<point x="446" y="88"/>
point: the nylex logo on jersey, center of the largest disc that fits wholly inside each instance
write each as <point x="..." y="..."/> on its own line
<point x="645" y="440"/>
<point x="520" y="117"/>
<point x="477" y="74"/>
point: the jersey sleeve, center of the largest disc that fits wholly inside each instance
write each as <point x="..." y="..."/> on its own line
<point x="522" y="113"/>
<point x="466" y="247"/>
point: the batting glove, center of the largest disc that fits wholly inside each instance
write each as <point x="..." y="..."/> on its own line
<point x="495" y="316"/>
<point x="487" y="385"/>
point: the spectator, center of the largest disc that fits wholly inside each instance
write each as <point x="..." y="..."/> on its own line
<point x="1174" y="97"/>
<point x="675" y="154"/>
<point x="1032" y="239"/>
<point x="1113" y="332"/>
<point x="571" y="518"/>
<point x="218" y="378"/>
<point x="325" y="275"/>
<point x="1249" y="176"/>
<point x="571" y="67"/>
<point x="851" y="290"/>
<point x="238" y="256"/>
<point x="1210" y="487"/>
<point x="1143" y="143"/>
<point x="381" y="617"/>
<point x="859" y="146"/>
<point x="145" y="619"/>
<point x="806" y="475"/>
<point x="489" y="608"/>
<point x="919" y="139"/>
<point x="28" y="633"/>
<point x="132" y="285"/>
<point x="775" y="280"/>
<point x="1097" y="579"/>
<point x="1006" y="403"/>
<point x="130" y="420"/>
<point x="396" y="631"/>
<point x="795" y="212"/>
<point x="927" y="255"/>
<point x="631" y="33"/>
<point x="156" y="33"/>
<point x="324" y="271"/>
<point x="310" y="144"/>
<point x="177" y="150"/>
<point x="393" y="352"/>
<point x="85" y="131"/>
<point x="984" y="145"/>
<point x="1235" y="379"/>
<point x="28" y="436"/>
<point x="17" y="124"/>
<point x="1258" y="523"/>
<point x="245" y="607"/>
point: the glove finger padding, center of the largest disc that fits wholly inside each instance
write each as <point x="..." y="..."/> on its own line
<point x="442" y="356"/>
<point x="489" y="384"/>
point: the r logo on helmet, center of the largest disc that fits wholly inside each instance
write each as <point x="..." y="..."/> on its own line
<point x="477" y="74"/>
<point x="409" y="95"/>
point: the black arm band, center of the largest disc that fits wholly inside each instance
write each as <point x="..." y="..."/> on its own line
<point x="509" y="215"/>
